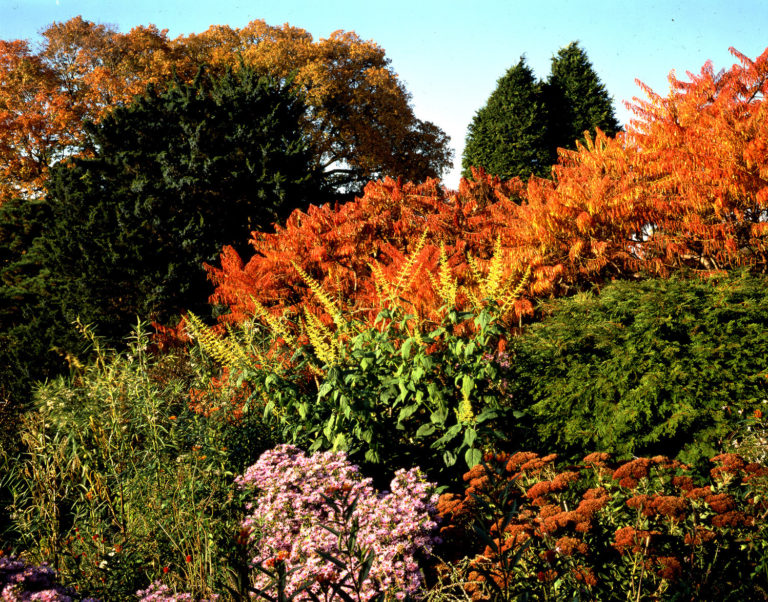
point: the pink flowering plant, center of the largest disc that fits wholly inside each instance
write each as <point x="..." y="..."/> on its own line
<point x="329" y="532"/>
<point x="159" y="592"/>
<point x="21" y="581"/>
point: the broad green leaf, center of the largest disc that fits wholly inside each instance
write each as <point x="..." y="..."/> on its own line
<point x="425" y="430"/>
<point x="407" y="411"/>
<point x="439" y="416"/>
<point x="472" y="457"/>
<point x="469" y="437"/>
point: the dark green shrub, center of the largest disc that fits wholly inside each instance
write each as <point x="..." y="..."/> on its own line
<point x="656" y="367"/>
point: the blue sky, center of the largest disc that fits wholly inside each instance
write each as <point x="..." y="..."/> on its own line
<point x="450" y="53"/>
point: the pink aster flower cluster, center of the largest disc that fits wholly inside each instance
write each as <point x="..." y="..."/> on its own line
<point x="159" y="592"/>
<point x="291" y="510"/>
<point x="23" y="582"/>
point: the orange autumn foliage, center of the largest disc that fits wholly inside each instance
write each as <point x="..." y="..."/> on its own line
<point x="81" y="71"/>
<point x="704" y="167"/>
<point x="683" y="188"/>
<point x="36" y="120"/>
<point x="341" y="246"/>
<point x="360" y="119"/>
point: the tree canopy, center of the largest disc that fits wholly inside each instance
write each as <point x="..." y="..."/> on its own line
<point x="171" y="178"/>
<point x="359" y="119"/>
<point x="524" y="122"/>
<point x="657" y="199"/>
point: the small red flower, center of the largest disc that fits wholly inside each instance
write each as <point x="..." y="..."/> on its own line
<point x="188" y="558"/>
<point x="166" y="569"/>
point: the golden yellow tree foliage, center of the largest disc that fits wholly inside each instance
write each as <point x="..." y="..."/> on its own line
<point x="361" y="119"/>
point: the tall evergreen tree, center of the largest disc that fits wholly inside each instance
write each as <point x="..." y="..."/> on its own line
<point x="173" y="178"/>
<point x="524" y="122"/>
<point x="508" y="136"/>
<point x="576" y="98"/>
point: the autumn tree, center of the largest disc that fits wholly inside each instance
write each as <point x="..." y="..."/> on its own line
<point x="38" y="121"/>
<point x="358" y="252"/>
<point x="702" y="164"/>
<point x="683" y="189"/>
<point x="173" y="177"/>
<point x="360" y="120"/>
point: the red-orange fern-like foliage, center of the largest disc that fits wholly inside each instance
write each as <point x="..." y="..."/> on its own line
<point x="685" y="187"/>
<point x="337" y="247"/>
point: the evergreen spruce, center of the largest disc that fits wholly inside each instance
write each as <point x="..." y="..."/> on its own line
<point x="577" y="100"/>
<point x="508" y="136"/>
<point x="524" y="122"/>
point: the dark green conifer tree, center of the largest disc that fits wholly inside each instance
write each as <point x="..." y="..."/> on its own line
<point x="173" y="178"/>
<point x="508" y="136"/>
<point x="577" y="100"/>
<point x="524" y="122"/>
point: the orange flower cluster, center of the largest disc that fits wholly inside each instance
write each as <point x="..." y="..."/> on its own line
<point x="567" y="524"/>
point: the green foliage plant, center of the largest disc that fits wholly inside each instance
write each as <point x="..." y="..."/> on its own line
<point x="119" y="483"/>
<point x="170" y="179"/>
<point x="398" y="392"/>
<point x="668" y="367"/>
<point x="26" y="327"/>
<point x="394" y="396"/>
<point x="577" y="100"/>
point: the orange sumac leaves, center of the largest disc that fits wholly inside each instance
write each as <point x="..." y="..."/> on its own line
<point x="685" y="187"/>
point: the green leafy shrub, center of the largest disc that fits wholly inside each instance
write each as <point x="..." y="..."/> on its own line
<point x="394" y="394"/>
<point x="656" y="367"/>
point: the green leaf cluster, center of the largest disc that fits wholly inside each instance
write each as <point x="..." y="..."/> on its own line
<point x="398" y="396"/>
<point x="668" y="367"/>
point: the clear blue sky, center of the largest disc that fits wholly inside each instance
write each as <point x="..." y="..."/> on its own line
<point x="449" y="53"/>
